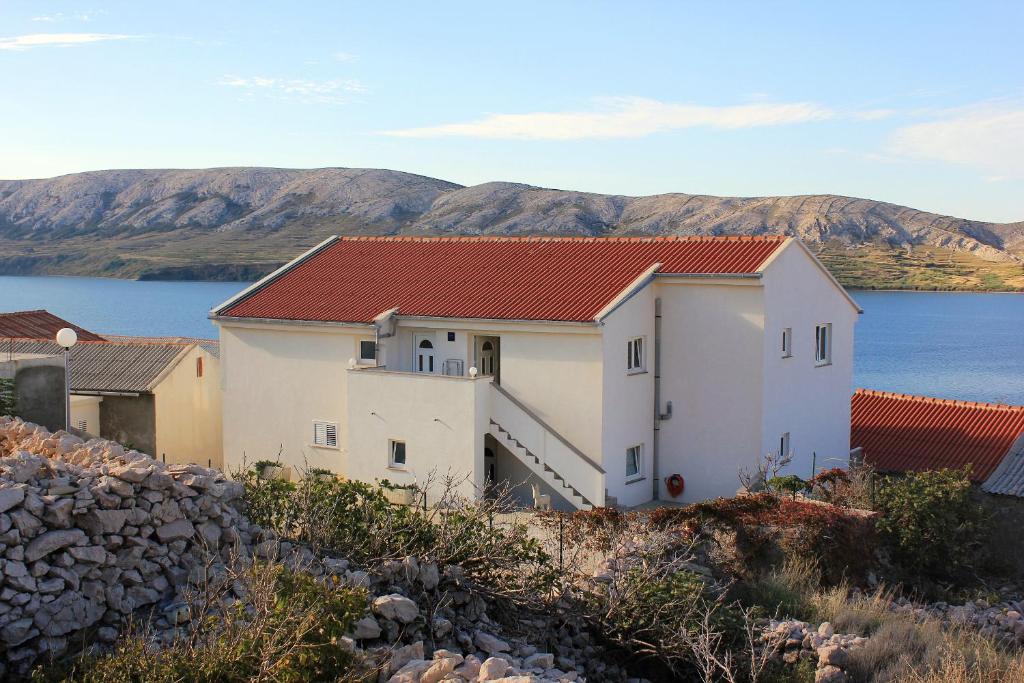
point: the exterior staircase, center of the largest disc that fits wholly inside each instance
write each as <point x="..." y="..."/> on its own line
<point x="545" y="452"/>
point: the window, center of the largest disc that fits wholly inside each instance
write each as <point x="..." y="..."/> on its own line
<point x="82" y="425"/>
<point x="451" y="336"/>
<point x="367" y="351"/>
<point x="823" y="344"/>
<point x="199" y="366"/>
<point x="635" y="360"/>
<point x="787" y="342"/>
<point x="396" y="453"/>
<point x="325" y="434"/>
<point x="634" y="463"/>
<point x="784" y="445"/>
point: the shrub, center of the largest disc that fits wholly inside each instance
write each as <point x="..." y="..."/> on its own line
<point x="356" y="519"/>
<point x="789" y="483"/>
<point x="930" y="522"/>
<point x="290" y="632"/>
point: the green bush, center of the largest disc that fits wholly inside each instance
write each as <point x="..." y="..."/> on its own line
<point x="356" y="520"/>
<point x="930" y="523"/>
<point x="789" y="483"/>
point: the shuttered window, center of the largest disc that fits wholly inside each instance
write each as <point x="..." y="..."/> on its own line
<point x="325" y="434"/>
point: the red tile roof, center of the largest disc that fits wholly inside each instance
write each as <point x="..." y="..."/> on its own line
<point x="38" y="325"/>
<point x="540" y="278"/>
<point x="902" y="433"/>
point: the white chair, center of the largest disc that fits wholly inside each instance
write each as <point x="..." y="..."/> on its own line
<point x="541" y="501"/>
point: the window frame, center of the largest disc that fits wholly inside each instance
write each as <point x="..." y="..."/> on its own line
<point x="362" y="360"/>
<point x="787" y="342"/>
<point x="392" y="462"/>
<point x="633" y="344"/>
<point x="328" y="426"/>
<point x="785" y="445"/>
<point x="822" y="359"/>
<point x="639" y="474"/>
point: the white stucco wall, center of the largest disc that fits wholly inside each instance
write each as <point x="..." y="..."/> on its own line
<point x="711" y="370"/>
<point x="188" y="412"/>
<point x="86" y="408"/>
<point x="442" y="420"/>
<point x="559" y="377"/>
<point x="628" y="398"/>
<point x="810" y="402"/>
<point x="278" y="380"/>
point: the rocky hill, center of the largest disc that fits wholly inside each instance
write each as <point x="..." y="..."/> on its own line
<point x="236" y="223"/>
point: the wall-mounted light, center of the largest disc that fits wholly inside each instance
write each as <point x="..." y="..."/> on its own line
<point x="473" y="371"/>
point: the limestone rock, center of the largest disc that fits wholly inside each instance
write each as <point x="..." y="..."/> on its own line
<point x="396" y="607"/>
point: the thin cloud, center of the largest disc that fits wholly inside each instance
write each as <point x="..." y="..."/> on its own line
<point x="34" y="40"/>
<point x="318" y="91"/>
<point x="989" y="137"/>
<point x="623" y="117"/>
<point x="61" y="16"/>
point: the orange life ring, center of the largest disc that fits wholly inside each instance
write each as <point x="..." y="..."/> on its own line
<point x="675" y="484"/>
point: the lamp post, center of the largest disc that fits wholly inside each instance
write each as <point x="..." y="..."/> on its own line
<point x="67" y="338"/>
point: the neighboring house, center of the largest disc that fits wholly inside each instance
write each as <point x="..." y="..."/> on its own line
<point x="158" y="395"/>
<point x="592" y="368"/>
<point x="904" y="433"/>
<point x="36" y="325"/>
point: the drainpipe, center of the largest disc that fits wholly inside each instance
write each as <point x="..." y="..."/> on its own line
<point x="655" y="475"/>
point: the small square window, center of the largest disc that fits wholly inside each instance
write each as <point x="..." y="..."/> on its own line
<point x="787" y="342"/>
<point x="367" y="350"/>
<point x="325" y="434"/>
<point x="451" y="336"/>
<point x="823" y="344"/>
<point x="634" y="463"/>
<point x="636" y="360"/>
<point x="396" y="453"/>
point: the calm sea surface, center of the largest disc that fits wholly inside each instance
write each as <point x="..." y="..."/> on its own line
<point x="952" y="345"/>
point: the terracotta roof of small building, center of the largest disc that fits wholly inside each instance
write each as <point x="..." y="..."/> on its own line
<point x="902" y="433"/>
<point x="122" y="366"/>
<point x="356" y="279"/>
<point x="39" y="325"/>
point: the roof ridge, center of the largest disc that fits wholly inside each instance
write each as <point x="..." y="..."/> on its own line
<point x="34" y="310"/>
<point x="937" y="401"/>
<point x="563" y="238"/>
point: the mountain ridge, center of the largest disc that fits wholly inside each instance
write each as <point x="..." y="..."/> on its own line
<point x="242" y="220"/>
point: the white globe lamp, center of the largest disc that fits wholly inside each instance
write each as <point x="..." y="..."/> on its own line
<point x="473" y="371"/>
<point x="67" y="337"/>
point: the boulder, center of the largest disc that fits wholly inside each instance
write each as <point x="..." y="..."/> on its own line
<point x="47" y="543"/>
<point x="396" y="607"/>
<point x="492" y="645"/>
<point x="181" y="528"/>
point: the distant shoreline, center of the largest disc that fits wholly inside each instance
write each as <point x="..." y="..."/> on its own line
<point x="850" y="288"/>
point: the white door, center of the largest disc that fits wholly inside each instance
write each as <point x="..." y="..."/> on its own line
<point x="423" y="353"/>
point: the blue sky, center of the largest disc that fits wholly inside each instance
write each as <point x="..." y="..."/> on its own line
<point x="917" y="103"/>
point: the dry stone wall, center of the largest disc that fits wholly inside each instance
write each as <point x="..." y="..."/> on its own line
<point x="90" y="533"/>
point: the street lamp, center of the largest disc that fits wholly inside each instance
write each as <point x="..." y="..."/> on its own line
<point x="67" y="338"/>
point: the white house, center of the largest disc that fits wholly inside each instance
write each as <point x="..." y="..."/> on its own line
<point x="593" y="367"/>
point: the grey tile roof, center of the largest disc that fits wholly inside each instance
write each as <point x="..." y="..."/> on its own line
<point x="123" y="366"/>
<point x="1008" y="477"/>
<point x="211" y="346"/>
